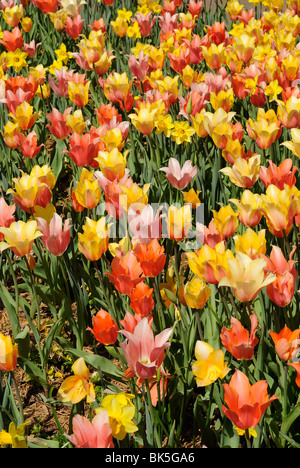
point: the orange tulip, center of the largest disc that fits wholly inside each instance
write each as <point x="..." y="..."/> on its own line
<point x="286" y="342"/>
<point x="126" y="273"/>
<point x="151" y="257"/>
<point x="105" y="330"/>
<point x="296" y="366"/>
<point x="246" y="403"/>
<point x="141" y="299"/>
<point x="237" y="340"/>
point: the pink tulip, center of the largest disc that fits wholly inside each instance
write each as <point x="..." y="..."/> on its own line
<point x="144" y="225"/>
<point x="145" y="23"/>
<point x="55" y="238"/>
<point x="95" y="434"/>
<point x="179" y="178"/>
<point x="6" y="215"/>
<point x="145" y="352"/>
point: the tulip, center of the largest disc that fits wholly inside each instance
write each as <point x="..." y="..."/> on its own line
<point x="196" y="293"/>
<point x="226" y="221"/>
<point x="8" y="354"/>
<point x="55" y="238"/>
<point x="237" y="340"/>
<point x="278" y="175"/>
<point x="211" y="264"/>
<point x="19" y="237"/>
<point x="214" y="56"/>
<point x="211" y="120"/>
<point x="28" y="144"/>
<point x="73" y="27"/>
<point x="209" y="365"/>
<point x="59" y="127"/>
<point x="296" y="366"/>
<point x="117" y="88"/>
<point x="83" y="149"/>
<point x="177" y="176"/>
<point x="145" y="226"/>
<point x="246" y="277"/>
<point x="244" y="46"/>
<point x="24" y="116"/>
<point x="6" y="215"/>
<point x="79" y="93"/>
<point x="282" y="290"/>
<point x="249" y="208"/>
<point x="141" y="299"/>
<point x="289" y="112"/>
<point x="151" y="256"/>
<point x="112" y="164"/>
<point x="134" y="195"/>
<point x="286" y="342"/>
<point x="279" y="208"/>
<point x="246" y="403"/>
<point x="91" y="434"/>
<point x="251" y="243"/>
<point x="78" y="386"/>
<point x="87" y="191"/>
<point x="130" y="321"/>
<point x="93" y="242"/>
<point x="179" y="222"/>
<point x="13" y="40"/>
<point x="209" y="235"/>
<point x="294" y="145"/>
<point x="126" y="273"/>
<point x="120" y="410"/>
<point x="224" y="99"/>
<point x="244" y="173"/>
<point x="144" y="119"/>
<point x="144" y="352"/>
<point x="29" y="192"/>
<point x="105" y="330"/>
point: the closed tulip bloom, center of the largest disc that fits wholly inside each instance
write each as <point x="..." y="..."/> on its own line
<point x="19" y="237"/>
<point x="196" y="293"/>
<point x="24" y="116"/>
<point x="78" y="386"/>
<point x="289" y="112"/>
<point x="145" y="225"/>
<point x="79" y="93"/>
<point x="8" y="353"/>
<point x="83" y="149"/>
<point x="93" y="242"/>
<point x="145" y="352"/>
<point x="226" y="221"/>
<point x="91" y="434"/>
<point x="144" y="120"/>
<point x="58" y="126"/>
<point x="29" y="191"/>
<point x="224" y="99"/>
<point x="246" y="403"/>
<point x="121" y="411"/>
<point x="174" y="285"/>
<point x="179" y="222"/>
<point x="177" y="176"/>
<point x="282" y="290"/>
<point x="209" y="365"/>
<point x="152" y="257"/>
<point x="73" y="27"/>
<point x="87" y="191"/>
<point x="112" y="164"/>
<point x="126" y="273"/>
<point x="244" y="173"/>
<point x="249" y="208"/>
<point x="246" y="277"/>
<point x="6" y="215"/>
<point x="56" y="238"/>
<point x="105" y="330"/>
<point x="141" y="299"/>
<point x="28" y="144"/>
<point x="237" y="339"/>
<point x="214" y="55"/>
<point x="244" y="46"/>
<point x="279" y="208"/>
<point x="287" y="343"/>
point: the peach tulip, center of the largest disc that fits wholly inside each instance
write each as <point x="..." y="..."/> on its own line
<point x="287" y="343"/>
<point x="177" y="176"/>
<point x="91" y="434"/>
<point x="56" y="238"/>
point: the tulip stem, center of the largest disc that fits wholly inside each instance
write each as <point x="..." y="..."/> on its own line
<point x="150" y="406"/>
<point x="15" y="324"/>
<point x="109" y="303"/>
<point x="248" y="440"/>
<point x="21" y="420"/>
<point x="35" y="294"/>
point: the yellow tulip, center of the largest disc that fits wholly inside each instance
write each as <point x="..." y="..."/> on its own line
<point x="249" y="208"/>
<point x="112" y="164"/>
<point x="226" y="221"/>
<point x="19" y="237"/>
<point x="87" y="191"/>
<point x="244" y="173"/>
<point x="294" y="145"/>
<point x="79" y="93"/>
<point x="251" y="243"/>
<point x="8" y="353"/>
<point x="179" y="222"/>
<point x="93" y="242"/>
<point x="24" y="116"/>
<point x="209" y="365"/>
<point x="246" y="276"/>
<point x="76" y="122"/>
<point x="196" y="293"/>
